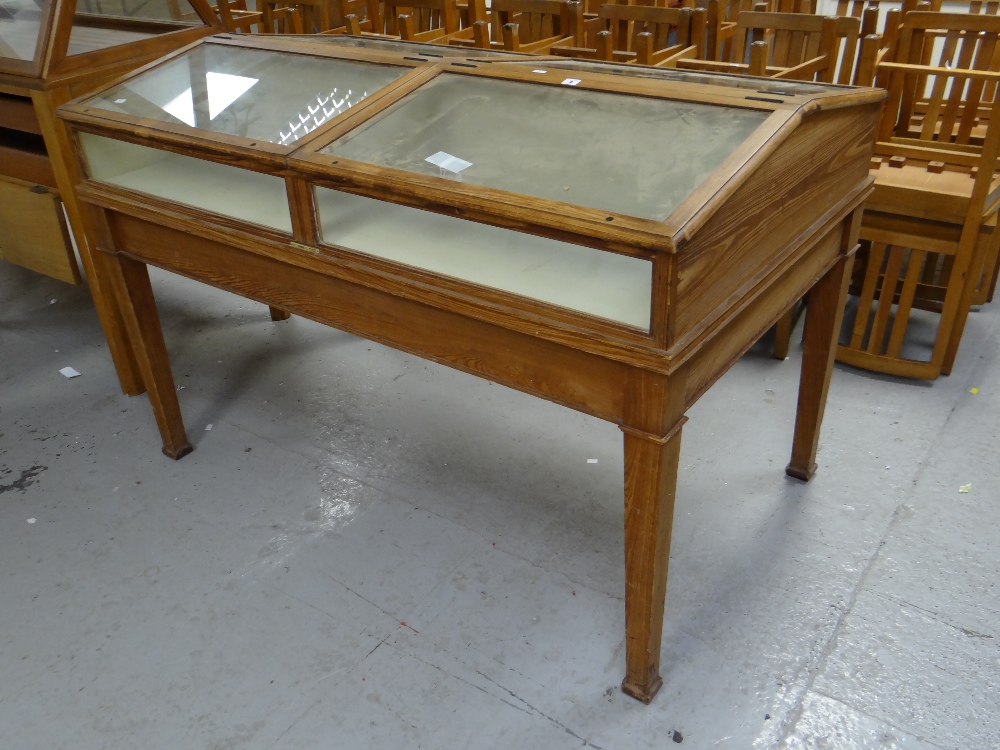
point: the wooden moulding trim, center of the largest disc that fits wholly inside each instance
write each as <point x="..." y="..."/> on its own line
<point x="657" y="88"/>
<point x="267" y="158"/>
<point x="671" y="88"/>
<point x="624" y="235"/>
<point x="219" y="147"/>
<point x="576" y="331"/>
<point x="695" y="210"/>
<point x="306" y="44"/>
<point x="18" y="86"/>
<point x="691" y="342"/>
<point x="650" y="437"/>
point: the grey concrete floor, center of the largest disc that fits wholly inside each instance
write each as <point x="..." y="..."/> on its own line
<point x="367" y="550"/>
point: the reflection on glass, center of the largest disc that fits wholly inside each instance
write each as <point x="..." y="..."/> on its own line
<point x="269" y="96"/>
<point x="20" y="24"/>
<point x="107" y="23"/>
<point x="221" y="189"/>
<point x="630" y="154"/>
<point x="610" y="286"/>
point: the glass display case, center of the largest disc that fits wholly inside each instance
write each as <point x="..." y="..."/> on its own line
<point x="50" y="52"/>
<point x="607" y="241"/>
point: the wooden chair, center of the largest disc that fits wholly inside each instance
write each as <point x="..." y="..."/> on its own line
<point x="788" y="45"/>
<point x="930" y="225"/>
<point x="237" y="18"/>
<point x="525" y="26"/>
<point x="646" y="35"/>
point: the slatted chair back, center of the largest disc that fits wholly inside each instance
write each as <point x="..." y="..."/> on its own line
<point x="798" y="46"/>
<point x="930" y="224"/>
<point x="537" y="20"/>
<point x="720" y="26"/>
<point x="367" y="13"/>
<point x="932" y="103"/>
<point x="236" y="17"/>
<point x="424" y="15"/>
<point x="646" y="35"/>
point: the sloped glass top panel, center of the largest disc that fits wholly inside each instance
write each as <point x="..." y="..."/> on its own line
<point x="20" y="25"/>
<point x="269" y="96"/>
<point x="98" y="24"/>
<point x="629" y="154"/>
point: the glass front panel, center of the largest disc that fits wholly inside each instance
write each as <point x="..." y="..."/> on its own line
<point x="611" y="286"/>
<point x="269" y="96"/>
<point x="98" y="24"/>
<point x="634" y="155"/>
<point x="20" y="25"/>
<point x="230" y="191"/>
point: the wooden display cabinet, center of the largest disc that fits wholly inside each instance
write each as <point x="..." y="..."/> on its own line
<point x="50" y="52"/>
<point x="607" y="237"/>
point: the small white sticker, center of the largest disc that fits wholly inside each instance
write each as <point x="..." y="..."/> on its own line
<point x="69" y="372"/>
<point x="449" y="162"/>
<point x="591" y="460"/>
<point x="571" y="81"/>
<point x="32" y="520"/>
<point x="53" y="301"/>
<point x="208" y="427"/>
<point x="536" y="70"/>
<point x="120" y="101"/>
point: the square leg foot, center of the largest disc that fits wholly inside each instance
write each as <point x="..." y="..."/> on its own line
<point x="179" y="452"/>
<point x="799" y="473"/>
<point x="644" y="693"/>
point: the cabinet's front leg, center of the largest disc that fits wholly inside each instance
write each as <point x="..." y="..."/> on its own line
<point x="650" y="485"/>
<point x="824" y="313"/>
<point x="135" y="298"/>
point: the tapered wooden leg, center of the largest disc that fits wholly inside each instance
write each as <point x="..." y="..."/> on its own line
<point x="135" y="298"/>
<point x="650" y="485"/>
<point x="278" y="314"/>
<point x="824" y="313"/>
<point x="67" y="175"/>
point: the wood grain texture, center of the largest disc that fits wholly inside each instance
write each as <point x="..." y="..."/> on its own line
<point x="34" y="233"/>
<point x="772" y="207"/>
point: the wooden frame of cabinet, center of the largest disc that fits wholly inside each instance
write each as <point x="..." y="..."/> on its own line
<point x="776" y="220"/>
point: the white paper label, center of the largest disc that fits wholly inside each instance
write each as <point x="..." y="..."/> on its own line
<point x="449" y="162"/>
<point x="69" y="372"/>
<point x="571" y="81"/>
<point x="539" y="71"/>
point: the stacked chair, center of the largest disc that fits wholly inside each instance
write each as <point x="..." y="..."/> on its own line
<point x="929" y="240"/>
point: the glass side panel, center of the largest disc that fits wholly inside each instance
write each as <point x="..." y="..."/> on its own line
<point x="229" y="191"/>
<point x="257" y="94"/>
<point x="760" y="85"/>
<point x="611" y="286"/>
<point x="20" y="25"/>
<point x="634" y="155"/>
<point x="98" y="24"/>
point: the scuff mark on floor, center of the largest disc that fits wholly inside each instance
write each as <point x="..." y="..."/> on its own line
<point x="26" y="479"/>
